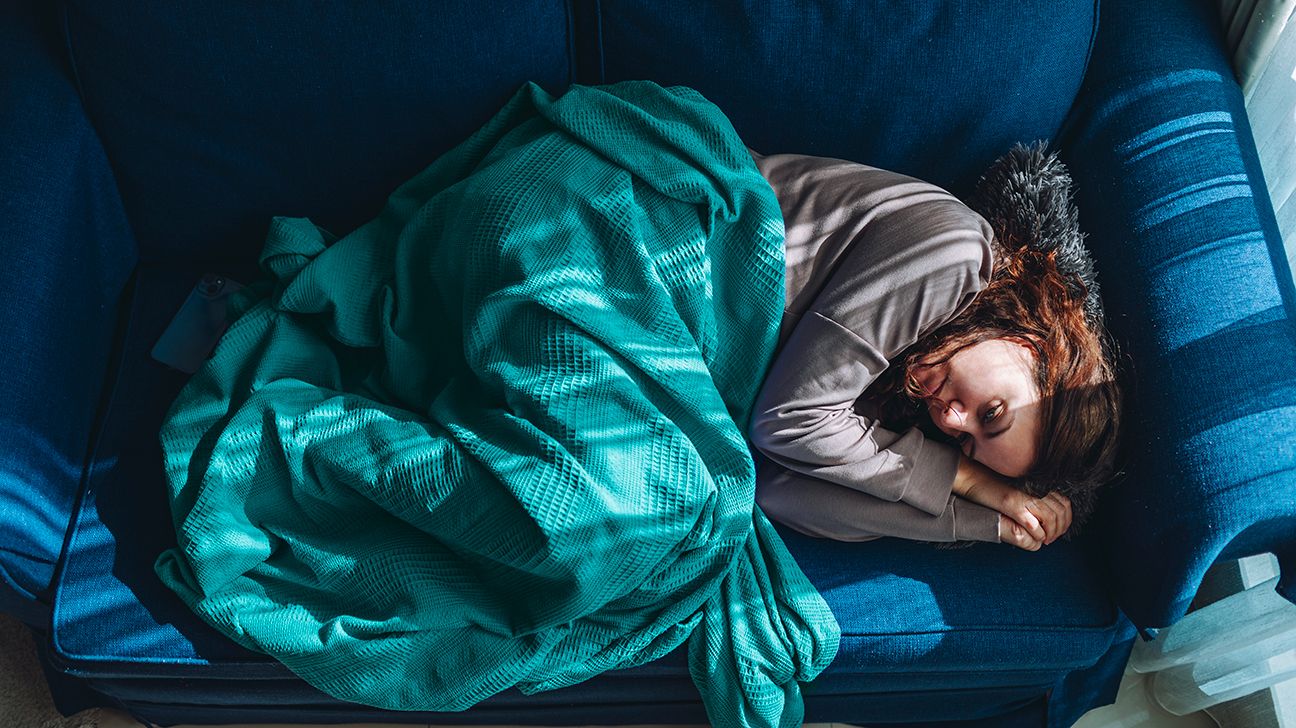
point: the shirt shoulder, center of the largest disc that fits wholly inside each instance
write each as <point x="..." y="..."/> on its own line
<point x="836" y="209"/>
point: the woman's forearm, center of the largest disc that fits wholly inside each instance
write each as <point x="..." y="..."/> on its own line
<point x="827" y="510"/>
<point x="963" y="476"/>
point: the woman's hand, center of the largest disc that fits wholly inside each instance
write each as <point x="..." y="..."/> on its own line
<point x="1027" y="522"/>
<point x="1012" y="532"/>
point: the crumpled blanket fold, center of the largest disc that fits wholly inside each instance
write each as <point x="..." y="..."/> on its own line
<point x="494" y="437"/>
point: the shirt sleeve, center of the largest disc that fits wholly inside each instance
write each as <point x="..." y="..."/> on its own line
<point x="916" y="264"/>
<point x="825" y="510"/>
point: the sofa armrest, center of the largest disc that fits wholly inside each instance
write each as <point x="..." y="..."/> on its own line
<point x="1199" y="295"/>
<point x="67" y="253"/>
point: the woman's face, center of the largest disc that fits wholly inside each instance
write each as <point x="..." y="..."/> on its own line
<point x="993" y="403"/>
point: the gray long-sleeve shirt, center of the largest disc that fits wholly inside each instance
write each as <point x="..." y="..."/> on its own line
<point x="875" y="260"/>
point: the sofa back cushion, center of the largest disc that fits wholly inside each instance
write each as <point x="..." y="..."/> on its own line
<point x="934" y="90"/>
<point x="217" y="116"/>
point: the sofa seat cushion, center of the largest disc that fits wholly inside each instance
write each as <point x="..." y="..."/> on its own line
<point x="935" y="90"/>
<point x="913" y="618"/>
<point x="231" y="113"/>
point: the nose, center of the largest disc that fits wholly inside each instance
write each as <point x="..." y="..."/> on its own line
<point x="955" y="417"/>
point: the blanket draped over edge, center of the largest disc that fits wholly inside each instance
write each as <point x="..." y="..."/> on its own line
<point x="494" y="437"/>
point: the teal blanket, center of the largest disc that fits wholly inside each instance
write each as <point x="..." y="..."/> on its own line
<point x="494" y="437"/>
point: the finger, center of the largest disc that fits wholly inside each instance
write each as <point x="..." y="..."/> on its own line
<point x="1021" y="539"/>
<point x="1056" y="517"/>
<point x="1052" y="518"/>
<point x="1030" y="522"/>
<point x="1048" y="518"/>
<point x="1065" y="504"/>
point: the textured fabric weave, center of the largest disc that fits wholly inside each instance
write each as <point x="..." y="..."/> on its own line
<point x="880" y="82"/>
<point x="494" y="436"/>
<point x="1171" y="192"/>
<point x="69" y="253"/>
<point x="255" y="121"/>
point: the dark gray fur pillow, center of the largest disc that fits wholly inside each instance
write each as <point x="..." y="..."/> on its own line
<point x="1025" y="195"/>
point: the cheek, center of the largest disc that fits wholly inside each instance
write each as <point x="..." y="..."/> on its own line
<point x="1006" y="458"/>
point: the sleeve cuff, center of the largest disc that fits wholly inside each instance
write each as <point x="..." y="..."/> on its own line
<point x="975" y="522"/>
<point x="931" y="479"/>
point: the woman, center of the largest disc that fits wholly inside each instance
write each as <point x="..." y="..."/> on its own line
<point x="941" y="375"/>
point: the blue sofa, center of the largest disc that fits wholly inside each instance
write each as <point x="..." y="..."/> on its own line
<point x="143" y="145"/>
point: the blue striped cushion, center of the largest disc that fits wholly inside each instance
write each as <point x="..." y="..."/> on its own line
<point x="1199" y="293"/>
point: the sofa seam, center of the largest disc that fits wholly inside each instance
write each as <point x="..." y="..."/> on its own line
<point x="37" y="558"/>
<point x="71" y="55"/>
<point x="1093" y="38"/>
<point x="585" y="55"/>
<point x="598" y="40"/>
<point x="569" y="7"/>
<point x="112" y="382"/>
<point x="1070" y="121"/>
<point x="116" y="349"/>
<point x="1033" y="629"/>
<point x="94" y="128"/>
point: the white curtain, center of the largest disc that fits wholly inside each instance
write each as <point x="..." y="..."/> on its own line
<point x="1230" y="648"/>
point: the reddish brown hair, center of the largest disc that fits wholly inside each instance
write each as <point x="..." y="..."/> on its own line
<point x="1028" y="300"/>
